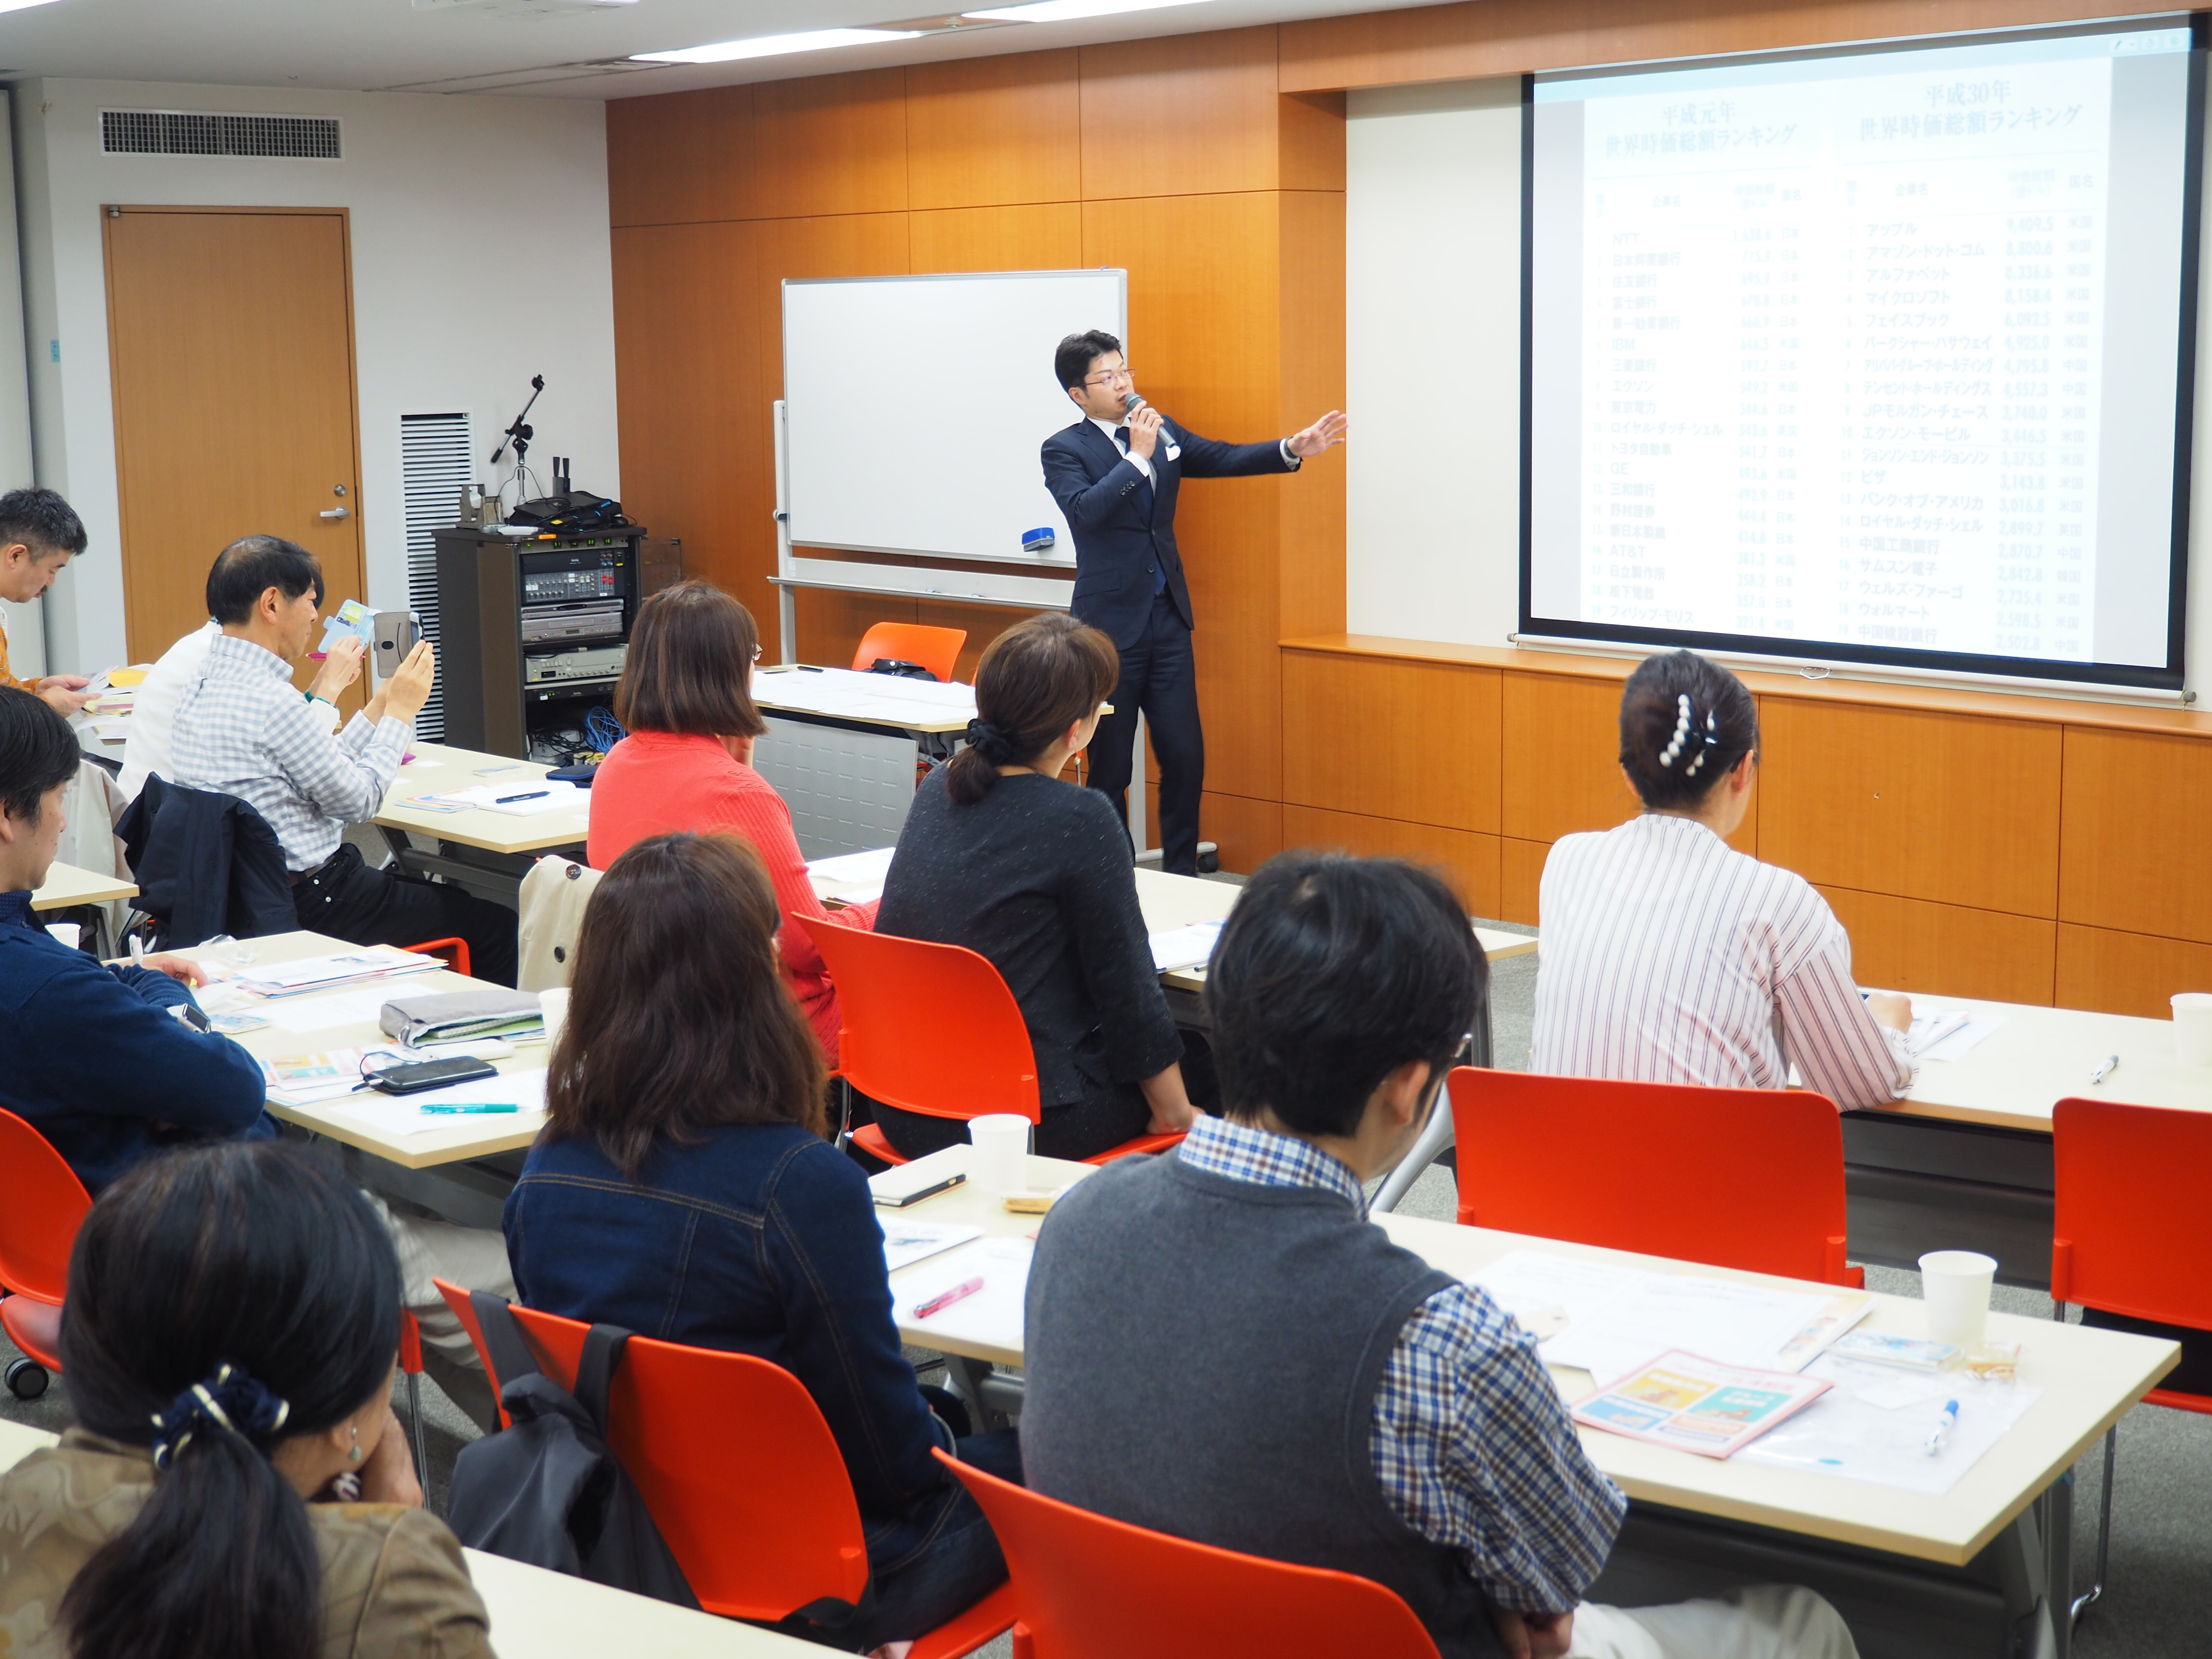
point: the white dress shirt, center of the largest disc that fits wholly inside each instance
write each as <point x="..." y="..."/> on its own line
<point x="1665" y="956"/>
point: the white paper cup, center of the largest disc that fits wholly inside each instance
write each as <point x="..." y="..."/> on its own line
<point x="553" y="1008"/>
<point x="2193" y="1028"/>
<point x="1955" y="1285"/>
<point x="70" y="933"/>
<point x="1000" y="1161"/>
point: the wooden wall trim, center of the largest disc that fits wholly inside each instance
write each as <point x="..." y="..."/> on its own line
<point x="1480" y="38"/>
<point x="1996" y="705"/>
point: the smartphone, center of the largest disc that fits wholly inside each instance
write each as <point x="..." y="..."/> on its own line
<point x="394" y="635"/>
<point x="428" y="1074"/>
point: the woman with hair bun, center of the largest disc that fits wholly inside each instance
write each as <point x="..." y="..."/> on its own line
<point x="1668" y="957"/>
<point x="1002" y="856"/>
<point x="232" y="1331"/>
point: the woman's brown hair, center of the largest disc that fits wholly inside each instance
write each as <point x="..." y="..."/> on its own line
<point x="690" y="665"/>
<point x="678" y="1019"/>
<point x="1036" y="679"/>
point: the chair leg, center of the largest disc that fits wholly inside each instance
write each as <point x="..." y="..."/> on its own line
<point x="415" y="1423"/>
<point x="2103" y="1531"/>
<point x="844" y="1113"/>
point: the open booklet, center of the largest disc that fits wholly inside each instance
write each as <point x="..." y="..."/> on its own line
<point x="1697" y="1405"/>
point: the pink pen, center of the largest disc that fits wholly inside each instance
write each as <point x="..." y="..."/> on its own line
<point x="944" y="1299"/>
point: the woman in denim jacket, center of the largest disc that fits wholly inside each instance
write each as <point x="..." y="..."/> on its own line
<point x="684" y="1189"/>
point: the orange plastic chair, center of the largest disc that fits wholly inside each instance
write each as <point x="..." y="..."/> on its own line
<point x="741" y="1474"/>
<point x="1746" y="1178"/>
<point x="42" y="1204"/>
<point x="454" y="952"/>
<point x="2127" y="1236"/>
<point x="937" y="649"/>
<point x="932" y="1029"/>
<point x="1086" y="1587"/>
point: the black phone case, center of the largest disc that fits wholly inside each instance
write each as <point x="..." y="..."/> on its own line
<point x="429" y="1074"/>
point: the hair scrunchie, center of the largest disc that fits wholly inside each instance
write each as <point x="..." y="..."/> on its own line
<point x="993" y="742"/>
<point x="231" y="1400"/>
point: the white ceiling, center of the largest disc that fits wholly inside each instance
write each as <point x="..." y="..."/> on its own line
<point x="569" y="48"/>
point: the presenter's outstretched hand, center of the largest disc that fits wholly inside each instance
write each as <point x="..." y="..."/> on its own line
<point x="1324" y="434"/>
<point x="1144" y="431"/>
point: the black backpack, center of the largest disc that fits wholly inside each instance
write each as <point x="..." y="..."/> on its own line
<point x="547" y="1491"/>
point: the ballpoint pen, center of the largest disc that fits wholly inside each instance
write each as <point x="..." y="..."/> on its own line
<point x="944" y="1299"/>
<point x="2103" y="1071"/>
<point x="468" y="1111"/>
<point x="1944" y="1424"/>
<point x="528" y="794"/>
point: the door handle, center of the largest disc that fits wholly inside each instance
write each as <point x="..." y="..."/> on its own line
<point x="332" y="512"/>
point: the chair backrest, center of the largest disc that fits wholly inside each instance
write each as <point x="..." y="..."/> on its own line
<point x="554" y="895"/>
<point x="736" y="1465"/>
<point x="2128" y="1225"/>
<point x="1746" y="1178"/>
<point x="42" y="1204"/>
<point x="927" y="1027"/>
<point x="1086" y="1587"/>
<point x="205" y="863"/>
<point x="937" y="649"/>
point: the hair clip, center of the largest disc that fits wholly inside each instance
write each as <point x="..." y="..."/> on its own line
<point x="1681" y="731"/>
<point x="1712" y="739"/>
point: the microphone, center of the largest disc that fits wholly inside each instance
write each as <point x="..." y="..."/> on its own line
<point x="1134" y="401"/>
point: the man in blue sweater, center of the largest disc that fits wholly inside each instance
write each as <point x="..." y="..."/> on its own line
<point x="91" y="1056"/>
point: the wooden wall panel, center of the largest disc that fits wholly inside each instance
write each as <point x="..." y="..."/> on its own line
<point x="1561" y="767"/>
<point x="830" y="144"/>
<point x="1311" y="552"/>
<point x="990" y="131"/>
<point x="1044" y="237"/>
<point x="1183" y="114"/>
<point x="1310" y="140"/>
<point x="1520" y="876"/>
<point x="1508" y="36"/>
<point x="847" y="245"/>
<point x="2116" y="973"/>
<point x="2133" y="836"/>
<point x="1957" y="809"/>
<point x="1467" y="861"/>
<point x="686" y="351"/>
<point x="1910" y="945"/>
<point x="686" y="157"/>
<point x="1392" y="739"/>
<point x="1248" y="832"/>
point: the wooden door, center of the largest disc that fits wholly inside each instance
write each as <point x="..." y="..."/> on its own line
<point x="230" y="338"/>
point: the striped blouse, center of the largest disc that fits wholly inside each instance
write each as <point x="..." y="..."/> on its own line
<point x="1668" y="957"/>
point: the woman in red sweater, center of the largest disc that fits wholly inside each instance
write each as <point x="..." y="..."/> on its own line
<point x="685" y="697"/>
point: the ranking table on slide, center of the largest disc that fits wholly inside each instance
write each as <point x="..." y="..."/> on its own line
<point x="1846" y="340"/>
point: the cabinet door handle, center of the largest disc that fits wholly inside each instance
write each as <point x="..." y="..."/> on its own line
<point x="332" y="512"/>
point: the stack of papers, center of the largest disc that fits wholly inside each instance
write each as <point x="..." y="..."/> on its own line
<point x="991" y="1314"/>
<point x="296" y="978"/>
<point x="853" y="877"/>
<point x="1693" y="1405"/>
<point x="1874" y="1424"/>
<point x="884" y="697"/>
<point x="522" y="798"/>
<point x="1949" y="1033"/>
<point x="1186" y="947"/>
<point x="304" y="1079"/>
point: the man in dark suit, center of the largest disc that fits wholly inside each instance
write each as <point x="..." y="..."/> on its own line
<point x="1116" y="473"/>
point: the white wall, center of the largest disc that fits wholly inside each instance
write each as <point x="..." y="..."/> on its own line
<point x="25" y="623"/>
<point x="480" y="258"/>
<point x="1432" y="336"/>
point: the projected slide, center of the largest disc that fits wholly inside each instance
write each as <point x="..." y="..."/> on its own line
<point x="1879" y="351"/>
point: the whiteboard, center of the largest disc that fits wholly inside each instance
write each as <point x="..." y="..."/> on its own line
<point x="913" y="408"/>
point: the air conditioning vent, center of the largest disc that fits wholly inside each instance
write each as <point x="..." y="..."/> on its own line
<point x="435" y="465"/>
<point x="189" y="132"/>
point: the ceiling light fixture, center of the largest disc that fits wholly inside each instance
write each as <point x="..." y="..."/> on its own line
<point x="771" y="45"/>
<point x="22" y="5"/>
<point x="1055" y="11"/>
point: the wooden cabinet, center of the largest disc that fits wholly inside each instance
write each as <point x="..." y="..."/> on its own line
<point x="1912" y="944"/>
<point x="1411" y="741"/>
<point x="1956" y="809"/>
<point x="1561" y="748"/>
<point x="2137" y="809"/>
<point x="1467" y="861"/>
<point x="2117" y="973"/>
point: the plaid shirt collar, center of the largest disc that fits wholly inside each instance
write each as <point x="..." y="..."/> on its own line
<point x="1242" y="1152"/>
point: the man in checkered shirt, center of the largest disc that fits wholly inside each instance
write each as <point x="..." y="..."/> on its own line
<point x="1218" y="1345"/>
<point x="242" y="729"/>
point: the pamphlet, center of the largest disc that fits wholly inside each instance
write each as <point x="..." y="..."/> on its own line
<point x="907" y="1241"/>
<point x="1697" y="1405"/>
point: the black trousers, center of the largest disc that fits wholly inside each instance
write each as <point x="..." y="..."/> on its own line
<point x="348" y="900"/>
<point x="1159" y="675"/>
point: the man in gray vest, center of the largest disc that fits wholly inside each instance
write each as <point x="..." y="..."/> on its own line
<point x="1219" y="1346"/>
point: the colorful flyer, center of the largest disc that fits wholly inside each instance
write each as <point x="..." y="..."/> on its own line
<point x="1697" y="1405"/>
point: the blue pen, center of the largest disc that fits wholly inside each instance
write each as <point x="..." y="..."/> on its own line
<point x="1944" y="1424"/>
<point x="466" y="1111"/>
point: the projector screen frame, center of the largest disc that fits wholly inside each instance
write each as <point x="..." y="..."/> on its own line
<point x="2167" y="677"/>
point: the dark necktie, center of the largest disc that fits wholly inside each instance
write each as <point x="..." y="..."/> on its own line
<point x="1145" y="502"/>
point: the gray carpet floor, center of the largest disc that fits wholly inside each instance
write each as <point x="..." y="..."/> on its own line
<point x="2160" y="1573"/>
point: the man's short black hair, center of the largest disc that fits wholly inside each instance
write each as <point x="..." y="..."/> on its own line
<point x="250" y="566"/>
<point x="42" y="521"/>
<point x="1333" y="972"/>
<point x="38" y="752"/>
<point x="1072" y="361"/>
